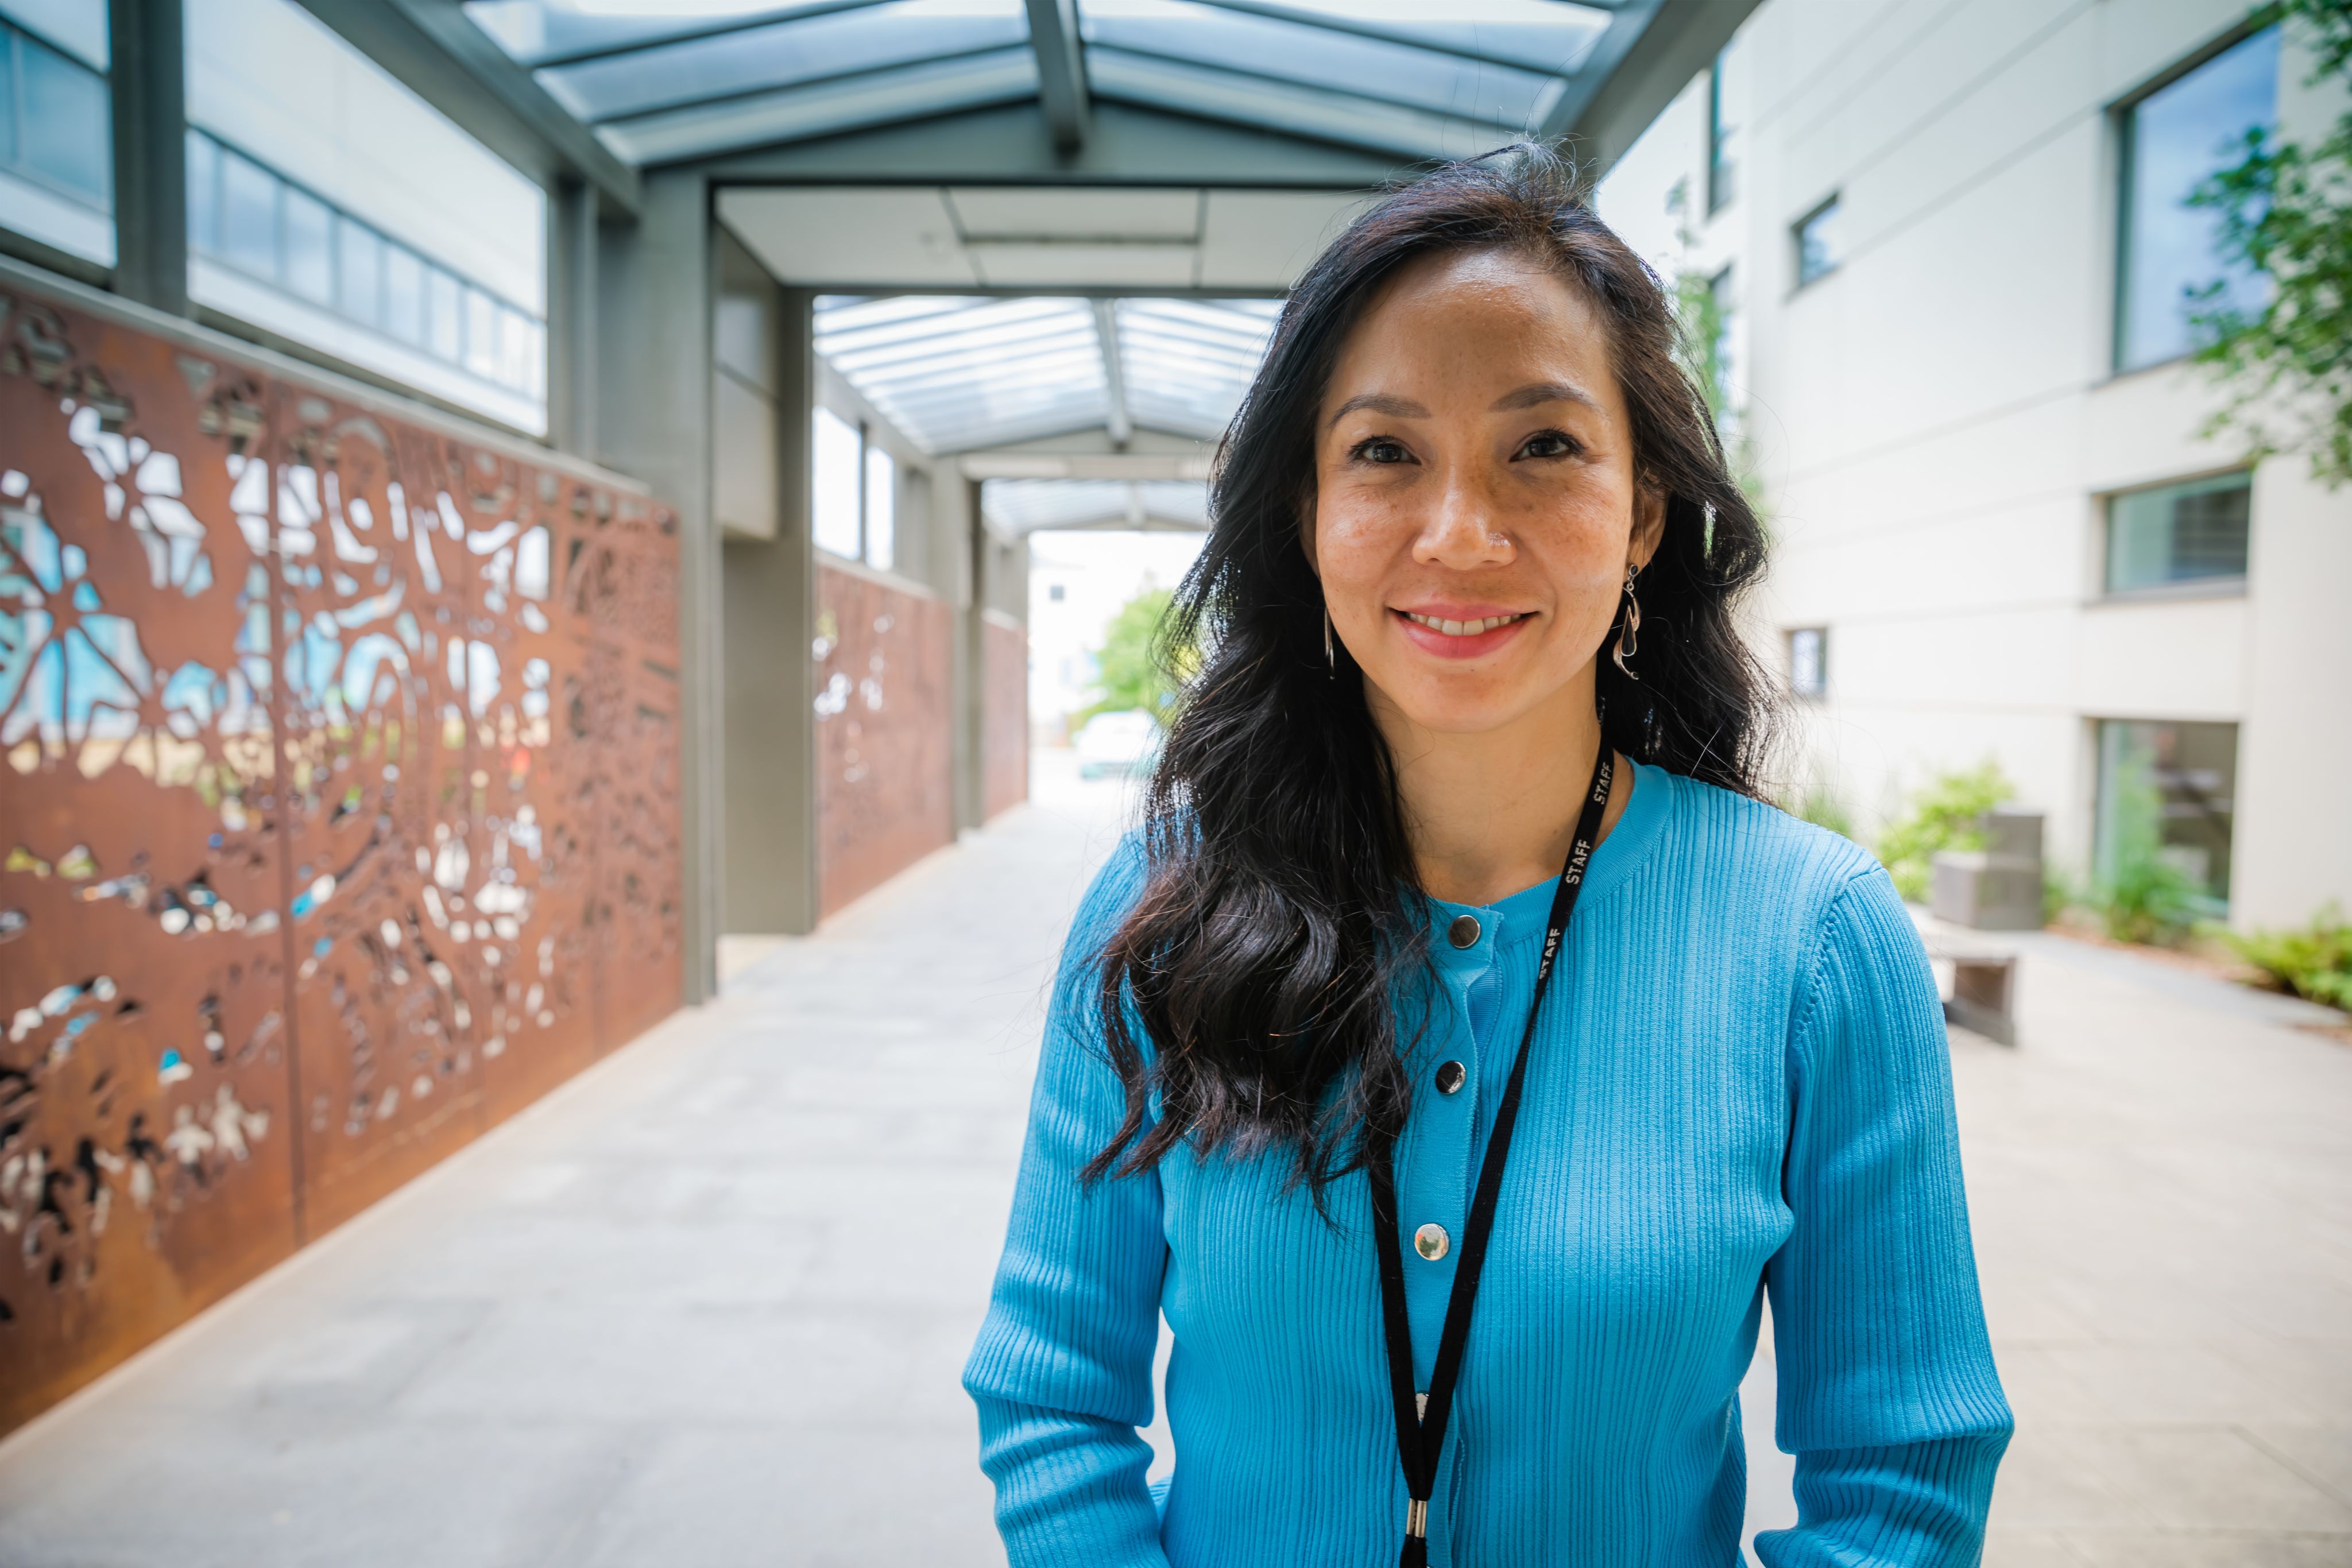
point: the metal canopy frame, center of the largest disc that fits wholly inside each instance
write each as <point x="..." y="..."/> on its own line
<point x="967" y="372"/>
<point x="1387" y="77"/>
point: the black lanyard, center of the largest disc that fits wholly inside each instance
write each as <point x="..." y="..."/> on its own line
<point x="1420" y="1420"/>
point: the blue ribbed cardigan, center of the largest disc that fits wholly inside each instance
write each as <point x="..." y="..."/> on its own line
<point x="1739" y="1087"/>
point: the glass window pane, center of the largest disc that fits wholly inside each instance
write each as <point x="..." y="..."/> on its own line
<point x="204" y="193"/>
<point x="481" y="334"/>
<point x="1819" y="243"/>
<point x="1722" y="169"/>
<point x="834" y="452"/>
<point x="1808" y="661"/>
<point x="445" y="330"/>
<point x="403" y="294"/>
<point x="2167" y="793"/>
<point x="2179" y="533"/>
<point x="534" y="352"/>
<point x="881" y="506"/>
<point x="2175" y="137"/>
<point x="309" y="246"/>
<point x="359" y="259"/>
<point x="66" y="122"/>
<point x="7" y="95"/>
<point x="249" y="215"/>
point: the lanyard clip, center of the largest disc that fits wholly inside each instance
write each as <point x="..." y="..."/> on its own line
<point x="1416" y="1518"/>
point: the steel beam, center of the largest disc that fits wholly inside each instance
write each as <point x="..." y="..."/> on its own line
<point x="1114" y="419"/>
<point x="1651" y="50"/>
<point x="145" y="40"/>
<point x="431" y="48"/>
<point x="1061" y="70"/>
<point x="1011" y="144"/>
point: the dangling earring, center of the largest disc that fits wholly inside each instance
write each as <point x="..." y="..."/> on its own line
<point x="1330" y="660"/>
<point x="1627" y="643"/>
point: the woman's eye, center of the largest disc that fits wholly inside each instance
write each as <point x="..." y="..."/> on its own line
<point x="1547" y="444"/>
<point x="1380" y="449"/>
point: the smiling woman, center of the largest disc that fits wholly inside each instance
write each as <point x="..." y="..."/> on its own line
<point x="1311" y="1077"/>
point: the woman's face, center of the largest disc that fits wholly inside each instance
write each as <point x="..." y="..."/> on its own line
<point x="1473" y="468"/>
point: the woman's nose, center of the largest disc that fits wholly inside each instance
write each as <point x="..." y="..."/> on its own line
<point x="1462" y="532"/>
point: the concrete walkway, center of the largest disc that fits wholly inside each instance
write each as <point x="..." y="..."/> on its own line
<point x="707" y="1304"/>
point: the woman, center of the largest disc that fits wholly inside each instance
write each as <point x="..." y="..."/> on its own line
<point x="1462" y="1252"/>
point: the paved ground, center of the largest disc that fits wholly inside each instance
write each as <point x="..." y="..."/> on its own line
<point x="708" y="1303"/>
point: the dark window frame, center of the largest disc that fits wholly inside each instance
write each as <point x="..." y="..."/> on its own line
<point x="1722" y="174"/>
<point x="1821" y="209"/>
<point x="2214" y="585"/>
<point x="2121" y="131"/>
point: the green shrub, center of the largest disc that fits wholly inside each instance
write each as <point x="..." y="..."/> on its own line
<point x="1942" y="816"/>
<point x="2139" y="895"/>
<point x="1821" y="806"/>
<point x="2314" y="961"/>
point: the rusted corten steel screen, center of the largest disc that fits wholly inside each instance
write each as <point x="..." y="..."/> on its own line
<point x="885" y="755"/>
<point x="338" y="809"/>
<point x="1004" y="716"/>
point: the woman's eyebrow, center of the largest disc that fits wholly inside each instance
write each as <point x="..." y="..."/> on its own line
<point x="1380" y="402"/>
<point x="1538" y="392"/>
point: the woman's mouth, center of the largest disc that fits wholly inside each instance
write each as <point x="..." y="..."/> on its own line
<point x="1460" y="636"/>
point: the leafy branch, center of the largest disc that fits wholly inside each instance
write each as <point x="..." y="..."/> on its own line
<point x="2286" y="210"/>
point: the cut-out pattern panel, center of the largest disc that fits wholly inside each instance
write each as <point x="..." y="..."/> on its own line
<point x="1005" y="713"/>
<point x="338" y="759"/>
<point x="883" y="749"/>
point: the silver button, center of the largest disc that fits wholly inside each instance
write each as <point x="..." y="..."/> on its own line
<point x="1450" y="1077"/>
<point x="1463" y="932"/>
<point x="1430" y="1242"/>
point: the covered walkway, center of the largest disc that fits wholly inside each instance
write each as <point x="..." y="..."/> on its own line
<point x="708" y="1303"/>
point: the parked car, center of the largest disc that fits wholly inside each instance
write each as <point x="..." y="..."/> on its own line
<point x="1125" y="742"/>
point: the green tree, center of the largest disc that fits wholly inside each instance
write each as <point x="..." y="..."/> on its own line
<point x="1942" y="816"/>
<point x="1128" y="669"/>
<point x="2285" y="209"/>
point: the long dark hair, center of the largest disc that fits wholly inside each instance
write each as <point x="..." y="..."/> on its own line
<point x="1259" y="960"/>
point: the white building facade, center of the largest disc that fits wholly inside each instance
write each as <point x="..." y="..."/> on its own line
<point x="1950" y="251"/>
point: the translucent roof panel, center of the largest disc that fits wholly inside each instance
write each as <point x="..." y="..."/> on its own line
<point x="663" y="80"/>
<point x="1028" y="505"/>
<point x="958" y="372"/>
<point x="1185" y="363"/>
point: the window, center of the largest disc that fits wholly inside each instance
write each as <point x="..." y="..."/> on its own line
<point x="881" y="506"/>
<point x="329" y="205"/>
<point x="1819" y="243"/>
<point x="1721" y="169"/>
<point x="835" y="451"/>
<point x="1719" y="301"/>
<point x="1809" y="661"/>
<point x="2172" y="267"/>
<point x="250" y="218"/>
<point x="2194" y="532"/>
<point x="56" y="131"/>
<point x="2166" y="792"/>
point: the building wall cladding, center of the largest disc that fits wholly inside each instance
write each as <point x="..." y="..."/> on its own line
<point x="1937" y="420"/>
<point x="341" y="793"/>
<point x="884" y="748"/>
<point x="1004" y="723"/>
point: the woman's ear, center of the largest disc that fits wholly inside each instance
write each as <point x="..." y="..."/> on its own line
<point x="1649" y="525"/>
<point x="1306" y="533"/>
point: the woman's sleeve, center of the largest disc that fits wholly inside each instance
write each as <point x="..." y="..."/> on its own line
<point x="1062" y="1373"/>
<point x="1887" y="1394"/>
